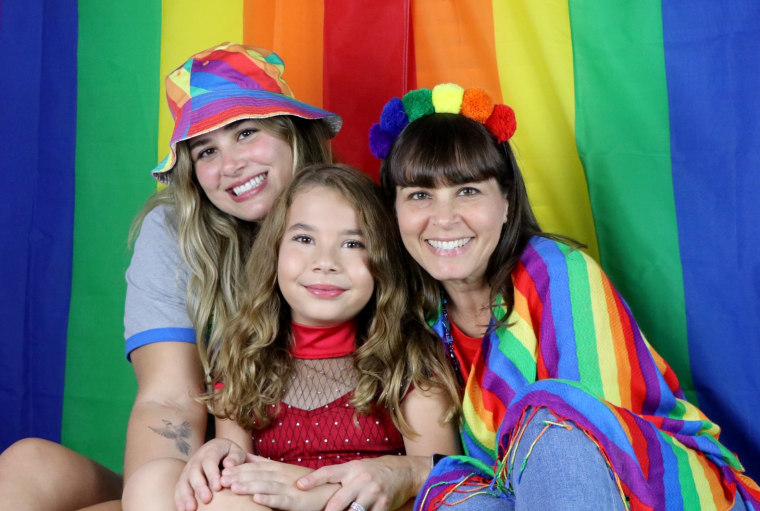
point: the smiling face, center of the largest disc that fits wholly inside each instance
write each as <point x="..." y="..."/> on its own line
<point x="322" y="269"/>
<point x="451" y="231"/>
<point x="242" y="168"/>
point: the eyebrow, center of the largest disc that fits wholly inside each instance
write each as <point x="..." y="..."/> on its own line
<point x="306" y="227"/>
<point x="202" y="139"/>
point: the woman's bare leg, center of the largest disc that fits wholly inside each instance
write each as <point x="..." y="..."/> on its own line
<point x="39" y="475"/>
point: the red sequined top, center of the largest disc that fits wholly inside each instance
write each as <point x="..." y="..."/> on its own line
<point x="331" y="433"/>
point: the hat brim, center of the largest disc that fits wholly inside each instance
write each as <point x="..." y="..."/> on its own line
<point x="207" y="112"/>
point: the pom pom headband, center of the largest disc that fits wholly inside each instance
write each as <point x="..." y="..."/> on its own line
<point x="450" y="98"/>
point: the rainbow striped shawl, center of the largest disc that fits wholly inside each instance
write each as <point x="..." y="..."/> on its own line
<point x="573" y="345"/>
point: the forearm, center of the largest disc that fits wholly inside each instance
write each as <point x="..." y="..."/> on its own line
<point x="413" y="469"/>
<point x="163" y="430"/>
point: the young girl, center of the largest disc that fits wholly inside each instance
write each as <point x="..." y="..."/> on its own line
<point x="324" y="364"/>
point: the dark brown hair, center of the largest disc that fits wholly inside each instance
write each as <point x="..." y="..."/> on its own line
<point x="451" y="149"/>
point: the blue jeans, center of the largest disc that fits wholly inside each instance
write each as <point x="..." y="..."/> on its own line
<point x="560" y="468"/>
<point x="554" y="467"/>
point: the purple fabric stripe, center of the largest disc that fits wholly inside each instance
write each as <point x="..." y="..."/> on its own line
<point x="208" y="105"/>
<point x="215" y="74"/>
<point x="536" y="268"/>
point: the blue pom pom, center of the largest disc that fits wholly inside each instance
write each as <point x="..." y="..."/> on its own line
<point x="393" y="119"/>
<point x="380" y="141"/>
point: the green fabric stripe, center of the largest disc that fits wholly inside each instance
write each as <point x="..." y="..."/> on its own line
<point x="688" y="489"/>
<point x="117" y="120"/>
<point x="511" y="348"/>
<point x="622" y="132"/>
<point x="584" y="327"/>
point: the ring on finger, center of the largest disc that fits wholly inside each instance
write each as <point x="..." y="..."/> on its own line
<point x="357" y="507"/>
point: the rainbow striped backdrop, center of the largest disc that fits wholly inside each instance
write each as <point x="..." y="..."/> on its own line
<point x="637" y="130"/>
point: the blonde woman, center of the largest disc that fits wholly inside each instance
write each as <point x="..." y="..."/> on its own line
<point x="238" y="138"/>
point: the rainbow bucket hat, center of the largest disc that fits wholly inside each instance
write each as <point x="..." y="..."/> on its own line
<point x="227" y="83"/>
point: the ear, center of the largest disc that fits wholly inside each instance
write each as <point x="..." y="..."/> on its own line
<point x="506" y="212"/>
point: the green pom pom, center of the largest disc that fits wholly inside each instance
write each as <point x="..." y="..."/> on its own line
<point x="418" y="103"/>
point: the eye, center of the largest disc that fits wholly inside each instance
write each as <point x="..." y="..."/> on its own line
<point x="468" y="190"/>
<point x="303" y="238"/>
<point x="246" y="132"/>
<point x="354" y="244"/>
<point x="419" y="195"/>
<point x="203" y="153"/>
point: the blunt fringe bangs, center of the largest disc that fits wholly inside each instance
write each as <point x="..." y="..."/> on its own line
<point x="445" y="150"/>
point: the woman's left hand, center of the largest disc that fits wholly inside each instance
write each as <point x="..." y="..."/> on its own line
<point x="272" y="484"/>
<point x="378" y="484"/>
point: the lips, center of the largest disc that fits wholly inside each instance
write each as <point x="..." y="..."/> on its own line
<point x="240" y="189"/>
<point x="325" y="290"/>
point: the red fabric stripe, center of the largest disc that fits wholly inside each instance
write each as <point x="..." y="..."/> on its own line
<point x="369" y="54"/>
<point x="525" y="284"/>
<point x="638" y="441"/>
<point x="638" y="385"/>
<point x="243" y="65"/>
<point x="228" y="115"/>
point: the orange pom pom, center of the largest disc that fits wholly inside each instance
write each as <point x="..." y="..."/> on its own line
<point x="477" y="105"/>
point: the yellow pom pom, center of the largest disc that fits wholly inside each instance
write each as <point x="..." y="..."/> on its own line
<point x="447" y="98"/>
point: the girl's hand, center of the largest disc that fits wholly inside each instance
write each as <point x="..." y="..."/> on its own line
<point x="378" y="484"/>
<point x="272" y="484"/>
<point x="201" y="476"/>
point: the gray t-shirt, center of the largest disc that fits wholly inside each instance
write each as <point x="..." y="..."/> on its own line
<point x="157" y="277"/>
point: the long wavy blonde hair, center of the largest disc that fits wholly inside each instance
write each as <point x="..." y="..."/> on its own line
<point x="214" y="244"/>
<point x="395" y="350"/>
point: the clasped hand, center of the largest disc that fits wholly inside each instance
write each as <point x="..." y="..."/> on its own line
<point x="267" y="483"/>
<point x="379" y="483"/>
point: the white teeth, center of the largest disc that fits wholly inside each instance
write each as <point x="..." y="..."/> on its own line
<point x="253" y="183"/>
<point x="448" y="245"/>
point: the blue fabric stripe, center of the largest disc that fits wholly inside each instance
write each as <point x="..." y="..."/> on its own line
<point x="159" y="335"/>
<point x="561" y="305"/>
<point x="37" y="139"/>
<point x="713" y="71"/>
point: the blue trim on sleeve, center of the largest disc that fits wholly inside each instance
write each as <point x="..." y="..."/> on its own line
<point x="159" y="335"/>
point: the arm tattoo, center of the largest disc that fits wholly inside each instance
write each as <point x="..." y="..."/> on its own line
<point x="178" y="433"/>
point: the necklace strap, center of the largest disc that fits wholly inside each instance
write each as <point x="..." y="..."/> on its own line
<point x="448" y="343"/>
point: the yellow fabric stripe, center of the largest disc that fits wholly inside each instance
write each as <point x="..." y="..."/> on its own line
<point x="187" y="27"/>
<point x="606" y="354"/>
<point x="535" y="64"/>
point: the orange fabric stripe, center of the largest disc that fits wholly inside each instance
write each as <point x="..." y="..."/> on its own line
<point x="293" y="30"/>
<point x="616" y="327"/>
<point x="454" y="42"/>
<point x="722" y="498"/>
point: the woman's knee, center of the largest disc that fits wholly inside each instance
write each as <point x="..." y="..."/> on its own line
<point x="30" y="452"/>
<point x="553" y="462"/>
<point x="34" y="469"/>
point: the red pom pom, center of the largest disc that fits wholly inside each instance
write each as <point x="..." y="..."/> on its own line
<point x="502" y="123"/>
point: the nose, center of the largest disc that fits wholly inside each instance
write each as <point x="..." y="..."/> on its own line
<point x="232" y="163"/>
<point x="444" y="212"/>
<point x="325" y="260"/>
